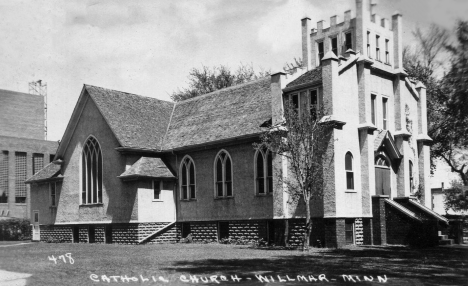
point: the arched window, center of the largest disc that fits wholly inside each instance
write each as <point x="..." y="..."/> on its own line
<point x="91" y="172"/>
<point x="411" y="178"/>
<point x="223" y="175"/>
<point x="349" y="171"/>
<point x="263" y="171"/>
<point x="187" y="182"/>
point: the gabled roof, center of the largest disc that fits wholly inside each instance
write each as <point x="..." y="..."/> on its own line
<point x="49" y="173"/>
<point x="149" y="168"/>
<point x="233" y="112"/>
<point x="385" y="139"/>
<point x="310" y="77"/>
<point x="136" y="121"/>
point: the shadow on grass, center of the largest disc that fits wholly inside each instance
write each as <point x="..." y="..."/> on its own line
<point x="401" y="265"/>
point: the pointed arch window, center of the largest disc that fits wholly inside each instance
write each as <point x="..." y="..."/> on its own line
<point x="187" y="182"/>
<point x="349" y="171"/>
<point x="91" y="172"/>
<point x="223" y="175"/>
<point x="263" y="171"/>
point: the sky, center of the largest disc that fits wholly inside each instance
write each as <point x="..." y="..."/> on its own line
<point x="148" y="47"/>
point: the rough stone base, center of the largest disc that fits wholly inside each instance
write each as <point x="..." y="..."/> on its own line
<point x="56" y="232"/>
<point x="131" y="233"/>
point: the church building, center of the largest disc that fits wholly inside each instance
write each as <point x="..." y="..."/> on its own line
<point x="132" y="169"/>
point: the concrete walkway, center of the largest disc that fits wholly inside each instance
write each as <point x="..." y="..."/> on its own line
<point x="8" y="278"/>
<point x="15" y="244"/>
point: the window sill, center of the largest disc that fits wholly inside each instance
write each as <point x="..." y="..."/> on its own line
<point x="224" y="198"/>
<point x="20" y="204"/>
<point x="188" y="200"/>
<point x="92" y="205"/>
<point x="264" y="195"/>
<point x="3" y="204"/>
<point x="157" y="200"/>
<point x="351" y="191"/>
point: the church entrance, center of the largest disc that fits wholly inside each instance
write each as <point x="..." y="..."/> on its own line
<point x="382" y="176"/>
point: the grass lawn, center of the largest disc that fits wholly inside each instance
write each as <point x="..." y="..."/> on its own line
<point x="401" y="265"/>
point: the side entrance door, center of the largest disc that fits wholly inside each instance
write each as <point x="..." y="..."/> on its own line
<point x="382" y="176"/>
<point x="36" y="233"/>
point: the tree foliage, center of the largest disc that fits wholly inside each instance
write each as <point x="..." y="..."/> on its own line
<point x="447" y="99"/>
<point x="302" y="140"/>
<point x="455" y="198"/>
<point x="206" y="80"/>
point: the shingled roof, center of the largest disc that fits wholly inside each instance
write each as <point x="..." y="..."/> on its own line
<point x="310" y="77"/>
<point x="137" y="121"/>
<point x="148" y="167"/>
<point x="50" y="172"/>
<point x="227" y="113"/>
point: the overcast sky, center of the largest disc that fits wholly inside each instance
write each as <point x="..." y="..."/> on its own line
<point x="148" y="47"/>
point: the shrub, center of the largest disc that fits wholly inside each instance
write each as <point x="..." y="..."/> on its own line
<point x="15" y="229"/>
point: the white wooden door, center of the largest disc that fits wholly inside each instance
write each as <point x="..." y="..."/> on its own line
<point x="36" y="231"/>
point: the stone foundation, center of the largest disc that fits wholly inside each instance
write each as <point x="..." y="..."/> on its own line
<point x="325" y="232"/>
<point x="56" y="232"/>
<point x="359" y="231"/>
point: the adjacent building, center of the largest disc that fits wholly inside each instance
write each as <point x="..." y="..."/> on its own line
<point x="132" y="169"/>
<point x="23" y="149"/>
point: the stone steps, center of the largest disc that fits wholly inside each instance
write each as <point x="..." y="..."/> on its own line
<point x="445" y="241"/>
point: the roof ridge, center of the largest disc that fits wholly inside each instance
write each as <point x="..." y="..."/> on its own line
<point x="224" y="89"/>
<point x="127" y="93"/>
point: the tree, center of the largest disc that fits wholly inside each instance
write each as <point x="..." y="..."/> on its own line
<point x="302" y="139"/>
<point x="447" y="103"/>
<point x="206" y="80"/>
<point x="451" y="143"/>
<point x="455" y="198"/>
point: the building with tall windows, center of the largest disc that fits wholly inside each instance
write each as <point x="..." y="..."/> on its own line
<point x="23" y="150"/>
<point x="132" y="169"/>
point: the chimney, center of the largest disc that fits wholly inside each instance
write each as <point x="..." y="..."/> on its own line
<point x="320" y="26"/>
<point x="306" y="52"/>
<point x="278" y="82"/>
<point x="397" y="27"/>
<point x="333" y="20"/>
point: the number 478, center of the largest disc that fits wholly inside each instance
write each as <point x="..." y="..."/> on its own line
<point x="63" y="257"/>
